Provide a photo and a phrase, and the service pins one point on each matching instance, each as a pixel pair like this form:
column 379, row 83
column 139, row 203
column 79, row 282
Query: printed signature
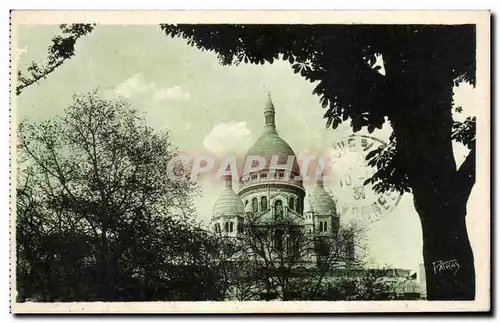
column 450, row 265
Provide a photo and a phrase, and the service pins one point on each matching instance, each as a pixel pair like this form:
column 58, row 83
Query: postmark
column 345, row 173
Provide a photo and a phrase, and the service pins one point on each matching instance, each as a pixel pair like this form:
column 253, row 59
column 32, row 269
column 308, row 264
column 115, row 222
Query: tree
column 278, row 250
column 371, row 285
column 339, row 257
column 97, row 217
column 354, row 283
column 277, row 259
column 422, row 63
column 239, row 272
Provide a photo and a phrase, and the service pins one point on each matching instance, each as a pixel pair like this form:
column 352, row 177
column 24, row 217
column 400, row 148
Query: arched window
column 297, row 206
column 217, row 227
column 255, row 206
column 263, row 203
column 291, row 203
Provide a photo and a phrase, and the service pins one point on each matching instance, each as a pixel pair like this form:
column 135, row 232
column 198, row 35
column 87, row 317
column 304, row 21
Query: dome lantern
column 228, row 181
column 269, row 116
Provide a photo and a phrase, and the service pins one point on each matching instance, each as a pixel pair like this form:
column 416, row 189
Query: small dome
column 321, row 202
column 229, row 203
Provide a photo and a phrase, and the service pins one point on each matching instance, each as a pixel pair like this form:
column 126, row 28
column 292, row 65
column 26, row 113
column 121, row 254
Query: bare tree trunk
column 448, row 258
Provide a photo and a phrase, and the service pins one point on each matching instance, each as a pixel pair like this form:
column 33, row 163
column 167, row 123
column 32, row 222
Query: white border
column 481, row 18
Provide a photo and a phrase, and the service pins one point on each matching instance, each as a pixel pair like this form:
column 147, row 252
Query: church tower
column 274, row 190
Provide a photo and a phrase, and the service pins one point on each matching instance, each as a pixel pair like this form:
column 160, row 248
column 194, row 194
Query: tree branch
column 62, row 49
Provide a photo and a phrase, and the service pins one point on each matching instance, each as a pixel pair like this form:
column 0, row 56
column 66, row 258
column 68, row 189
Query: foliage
column 97, row 218
column 388, row 177
column 62, row 49
column 341, row 59
column 465, row 132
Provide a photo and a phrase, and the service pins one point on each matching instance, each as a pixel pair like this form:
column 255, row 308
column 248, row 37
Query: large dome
column 271, row 144
column 229, row 203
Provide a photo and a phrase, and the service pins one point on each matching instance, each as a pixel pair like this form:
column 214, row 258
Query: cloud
column 134, row 85
column 138, row 85
column 229, row 137
column 171, row 93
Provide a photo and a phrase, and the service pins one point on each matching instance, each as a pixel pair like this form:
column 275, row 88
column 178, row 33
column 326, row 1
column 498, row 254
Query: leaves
column 93, row 198
column 465, row 132
column 62, row 48
column 389, row 176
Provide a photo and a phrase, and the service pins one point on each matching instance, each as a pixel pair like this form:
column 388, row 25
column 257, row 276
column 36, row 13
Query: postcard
column 250, row 161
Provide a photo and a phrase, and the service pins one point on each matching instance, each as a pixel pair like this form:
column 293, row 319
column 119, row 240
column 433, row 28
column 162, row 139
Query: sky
column 208, row 107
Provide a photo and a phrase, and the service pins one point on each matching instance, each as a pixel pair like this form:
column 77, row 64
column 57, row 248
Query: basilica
column 271, row 193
